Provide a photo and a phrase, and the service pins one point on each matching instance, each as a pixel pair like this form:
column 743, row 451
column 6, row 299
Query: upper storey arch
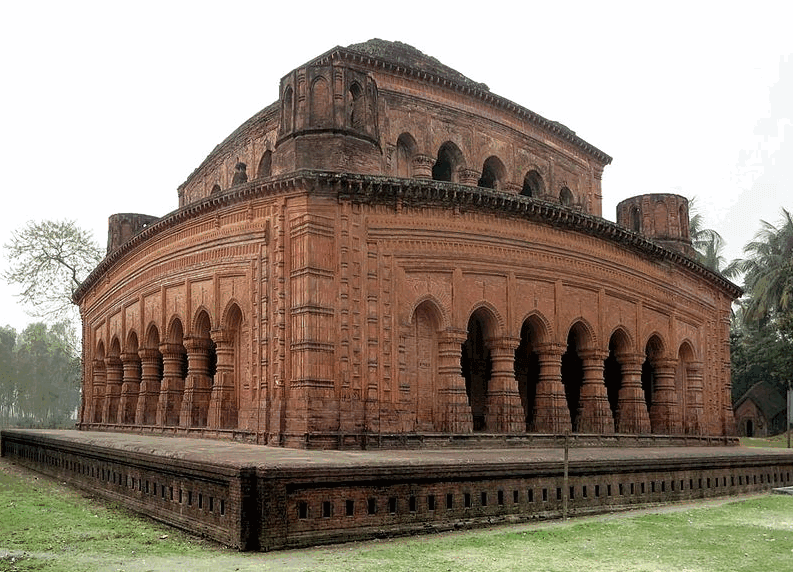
column 448, row 163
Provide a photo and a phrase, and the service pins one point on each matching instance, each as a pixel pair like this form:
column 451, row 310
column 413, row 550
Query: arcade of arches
column 534, row 385
column 178, row 381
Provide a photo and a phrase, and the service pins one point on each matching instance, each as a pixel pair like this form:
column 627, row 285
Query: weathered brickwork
column 390, row 249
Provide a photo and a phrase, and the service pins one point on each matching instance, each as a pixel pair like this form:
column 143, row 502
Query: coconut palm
column 707, row 242
column 768, row 272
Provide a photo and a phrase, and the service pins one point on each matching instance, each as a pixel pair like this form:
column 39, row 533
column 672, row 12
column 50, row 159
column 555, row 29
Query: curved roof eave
column 379, row 189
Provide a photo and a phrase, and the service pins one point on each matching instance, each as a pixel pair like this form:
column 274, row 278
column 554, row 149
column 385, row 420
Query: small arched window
column 493, row 172
column 287, row 110
column 533, row 185
column 450, row 158
column 636, row 220
column 566, row 197
column 265, row 165
column 215, row 189
column 357, row 109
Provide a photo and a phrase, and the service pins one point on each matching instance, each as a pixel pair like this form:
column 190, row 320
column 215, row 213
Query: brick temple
column 391, row 251
column 410, row 275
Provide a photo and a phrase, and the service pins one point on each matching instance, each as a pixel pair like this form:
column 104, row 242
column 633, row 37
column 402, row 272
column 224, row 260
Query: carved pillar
column 98, row 396
column 115, row 375
column 695, row 407
column 222, row 403
column 663, row 418
column 198, row 385
column 594, row 414
column 468, row 176
column 422, row 166
column 172, row 387
column 454, row 409
column 146, row 411
column 504, row 409
column 551, row 414
column 632, row 416
column 129, row 389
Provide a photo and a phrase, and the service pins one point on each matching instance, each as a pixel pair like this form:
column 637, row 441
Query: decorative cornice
column 373, row 189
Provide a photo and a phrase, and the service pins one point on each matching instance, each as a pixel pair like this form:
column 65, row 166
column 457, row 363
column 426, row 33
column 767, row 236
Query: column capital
column 130, row 357
column 168, row 348
column 593, row 354
column 551, row 349
column 196, row 344
column 149, row 354
column 502, row 343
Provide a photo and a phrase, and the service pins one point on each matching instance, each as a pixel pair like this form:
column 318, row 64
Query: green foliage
column 49, row 260
column 39, row 376
column 762, row 338
column 707, row 242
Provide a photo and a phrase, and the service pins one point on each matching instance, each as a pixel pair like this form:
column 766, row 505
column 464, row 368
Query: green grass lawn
column 773, row 441
column 45, row 525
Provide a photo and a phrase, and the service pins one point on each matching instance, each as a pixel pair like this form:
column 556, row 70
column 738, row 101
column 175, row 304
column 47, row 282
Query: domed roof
column 408, row 56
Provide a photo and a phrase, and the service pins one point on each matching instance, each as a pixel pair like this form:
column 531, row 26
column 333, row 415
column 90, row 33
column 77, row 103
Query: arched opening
column 566, row 197
column 131, row 382
column 749, row 428
column 449, row 160
column 202, row 363
column 422, row 354
column 527, row 365
column 215, row 189
column 406, row 148
column 573, row 369
column 636, row 220
column 99, row 381
column 684, row 222
column 685, row 357
column 477, row 367
column 227, row 371
column 661, row 219
column 265, row 165
column 493, row 173
column 287, row 111
column 114, row 379
column 319, row 112
column 612, row 371
column 652, row 351
column 151, row 376
column 174, row 374
column 533, row 185
column 357, row 106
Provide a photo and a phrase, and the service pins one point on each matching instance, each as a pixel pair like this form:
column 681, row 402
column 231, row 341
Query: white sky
column 108, row 106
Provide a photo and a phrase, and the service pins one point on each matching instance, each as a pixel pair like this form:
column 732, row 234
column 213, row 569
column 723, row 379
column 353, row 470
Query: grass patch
column 773, row 441
column 45, row 525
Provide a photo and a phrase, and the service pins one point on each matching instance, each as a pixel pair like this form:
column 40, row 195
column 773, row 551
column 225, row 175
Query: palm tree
column 706, row 242
column 768, row 272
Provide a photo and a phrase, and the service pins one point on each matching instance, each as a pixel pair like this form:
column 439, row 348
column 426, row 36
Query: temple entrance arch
column 688, row 387
column 201, row 365
column 225, row 376
column 527, row 365
column 578, row 339
column 477, row 365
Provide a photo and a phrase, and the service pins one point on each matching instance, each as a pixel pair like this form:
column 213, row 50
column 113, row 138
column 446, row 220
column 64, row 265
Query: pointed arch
column 448, row 163
column 319, row 110
column 493, row 173
column 620, row 344
column 437, row 306
column 421, row 347
column 406, row 149
column 533, row 184
column 580, row 337
column 287, row 110
column 225, row 396
column 265, row 166
column 131, row 345
column 534, row 332
column 566, row 197
column 357, row 106
column 476, row 364
column 653, row 351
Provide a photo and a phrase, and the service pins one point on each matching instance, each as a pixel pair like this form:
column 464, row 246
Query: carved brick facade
column 411, row 255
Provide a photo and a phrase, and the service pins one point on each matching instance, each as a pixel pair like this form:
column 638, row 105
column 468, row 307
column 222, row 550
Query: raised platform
column 257, row 497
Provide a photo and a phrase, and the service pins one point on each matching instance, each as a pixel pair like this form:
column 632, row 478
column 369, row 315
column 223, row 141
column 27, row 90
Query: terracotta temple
column 390, row 250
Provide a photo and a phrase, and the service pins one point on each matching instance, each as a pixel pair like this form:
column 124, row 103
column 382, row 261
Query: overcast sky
column 108, row 106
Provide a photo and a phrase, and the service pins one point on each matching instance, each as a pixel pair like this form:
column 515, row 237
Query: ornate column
column 172, row 387
column 468, row 176
column 422, row 166
column 115, row 375
column 504, row 409
column 129, row 388
column 632, row 416
column 146, row 411
column 198, row 385
column 454, row 410
column 222, row 405
column 695, row 407
column 663, row 418
column 98, row 397
column 551, row 414
column 594, row 413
